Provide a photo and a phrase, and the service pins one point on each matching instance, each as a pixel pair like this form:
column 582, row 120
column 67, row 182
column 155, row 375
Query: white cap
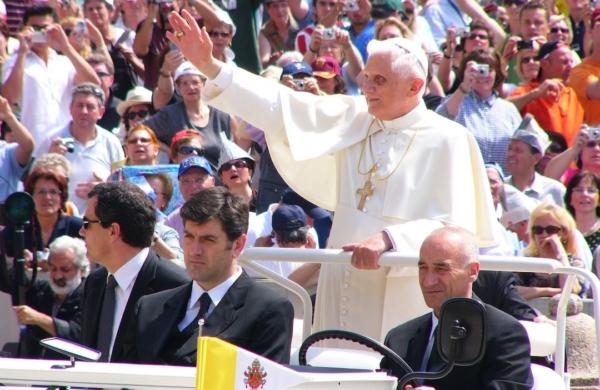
column 405, row 45
column 518, row 206
column 185, row 69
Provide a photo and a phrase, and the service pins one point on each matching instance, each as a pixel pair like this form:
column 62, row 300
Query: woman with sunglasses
column 582, row 201
column 235, row 170
column 142, row 146
column 221, row 36
column 186, row 143
column 49, row 190
column 552, row 234
column 136, row 107
column 560, row 31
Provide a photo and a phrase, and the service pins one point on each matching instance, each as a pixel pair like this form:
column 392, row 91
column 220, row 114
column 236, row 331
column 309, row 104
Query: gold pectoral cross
column 367, row 189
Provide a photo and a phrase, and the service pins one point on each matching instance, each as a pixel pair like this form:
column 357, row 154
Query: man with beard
column 52, row 305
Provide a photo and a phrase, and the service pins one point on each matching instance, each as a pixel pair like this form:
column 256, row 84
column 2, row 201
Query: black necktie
column 107, row 317
column 205, row 302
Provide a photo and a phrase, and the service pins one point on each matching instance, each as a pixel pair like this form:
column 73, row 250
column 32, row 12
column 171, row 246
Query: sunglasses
column 556, row 30
column 239, row 164
column 592, row 144
column 140, row 140
column 91, row 90
column 141, row 114
column 215, row 34
column 518, row 3
column 88, row 222
column 478, row 36
column 536, row 229
column 189, row 150
column 527, row 60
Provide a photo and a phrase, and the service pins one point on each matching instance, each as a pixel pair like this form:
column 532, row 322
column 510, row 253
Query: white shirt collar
column 407, row 120
column 128, row 272
column 216, row 293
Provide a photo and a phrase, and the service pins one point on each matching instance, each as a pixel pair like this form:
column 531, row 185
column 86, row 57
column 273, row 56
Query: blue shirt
column 442, row 15
column 492, row 121
column 10, row 170
column 362, row 39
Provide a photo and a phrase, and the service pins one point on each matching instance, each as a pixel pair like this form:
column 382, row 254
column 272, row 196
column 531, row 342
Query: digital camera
column 594, row 133
column 329, row 34
column 300, row 84
column 351, row 6
column 482, row 70
column 81, row 28
column 462, row 32
column 39, row 36
column 69, row 143
column 525, row 45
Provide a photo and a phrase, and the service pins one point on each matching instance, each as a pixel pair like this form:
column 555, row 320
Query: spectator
column 192, row 113
column 554, row 105
column 579, row 12
column 40, row 81
column 419, row 26
column 195, row 174
column 50, row 193
column 391, row 27
column 127, row 66
column 557, row 146
column 184, row 144
column 150, row 43
column 136, row 107
column 528, row 68
column 477, row 105
column 552, row 235
column 583, row 203
column 118, row 228
column 278, row 34
column 236, row 168
column 58, row 164
column 133, row 12
column 328, row 75
column 52, row 306
column 15, row 150
column 86, row 39
column 91, row 149
column 585, row 152
column 560, row 31
column 584, row 77
column 525, row 150
column 221, row 36
column 533, row 19
column 110, row 119
column 362, row 26
column 141, row 146
column 326, row 17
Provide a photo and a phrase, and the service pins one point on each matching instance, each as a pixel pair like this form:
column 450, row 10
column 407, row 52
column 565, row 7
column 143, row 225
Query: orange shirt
column 581, row 77
column 564, row 116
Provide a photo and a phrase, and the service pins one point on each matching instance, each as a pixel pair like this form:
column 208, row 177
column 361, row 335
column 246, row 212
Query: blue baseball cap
column 295, row 68
column 194, row 162
column 287, row 218
column 290, row 197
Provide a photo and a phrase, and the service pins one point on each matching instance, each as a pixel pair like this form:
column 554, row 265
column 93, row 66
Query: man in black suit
column 448, row 266
column 231, row 305
column 118, row 225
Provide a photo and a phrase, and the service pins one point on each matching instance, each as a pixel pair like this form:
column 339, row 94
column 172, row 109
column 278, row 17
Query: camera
column 482, row 70
column 594, row 133
column 300, row 84
column 351, row 6
column 69, row 143
column 81, row 28
column 525, row 45
column 39, row 36
column 462, row 32
column 329, row 34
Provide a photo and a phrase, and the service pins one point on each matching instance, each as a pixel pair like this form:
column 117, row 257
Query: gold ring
column 179, row 34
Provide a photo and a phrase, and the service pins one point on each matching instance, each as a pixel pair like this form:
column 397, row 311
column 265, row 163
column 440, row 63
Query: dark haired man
column 231, row 305
column 39, row 80
column 118, row 225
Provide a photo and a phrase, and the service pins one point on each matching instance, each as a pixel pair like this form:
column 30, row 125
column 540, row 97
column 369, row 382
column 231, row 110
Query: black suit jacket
column 155, row 275
column 499, row 289
column 505, row 364
column 250, row 315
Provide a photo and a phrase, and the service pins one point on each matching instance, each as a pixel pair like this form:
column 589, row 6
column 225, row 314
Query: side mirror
column 461, row 331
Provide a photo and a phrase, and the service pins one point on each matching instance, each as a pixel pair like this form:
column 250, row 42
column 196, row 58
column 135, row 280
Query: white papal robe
column 316, row 143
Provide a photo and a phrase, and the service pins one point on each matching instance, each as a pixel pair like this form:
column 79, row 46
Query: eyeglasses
column 330, row 4
column 527, row 60
column 131, row 115
column 91, row 90
column 140, row 140
column 518, row 3
column 103, row 74
column 556, row 30
column 536, row 229
column 39, row 27
column 592, row 144
column 239, row 164
column 215, row 34
column 482, row 37
column 88, row 222
column 583, row 190
column 189, row 150
column 48, row 192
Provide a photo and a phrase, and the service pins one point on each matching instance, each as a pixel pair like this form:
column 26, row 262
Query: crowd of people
column 159, row 137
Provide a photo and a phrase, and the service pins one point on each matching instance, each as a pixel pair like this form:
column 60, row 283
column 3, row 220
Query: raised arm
column 12, row 88
column 22, row 137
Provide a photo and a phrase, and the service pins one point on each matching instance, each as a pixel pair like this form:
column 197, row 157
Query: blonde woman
column 551, row 235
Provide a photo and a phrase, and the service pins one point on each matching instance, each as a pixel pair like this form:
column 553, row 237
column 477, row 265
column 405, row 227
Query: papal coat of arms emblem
column 255, row 376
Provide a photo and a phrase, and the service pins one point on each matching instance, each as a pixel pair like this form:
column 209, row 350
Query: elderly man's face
column 64, row 274
column 389, row 93
column 444, row 272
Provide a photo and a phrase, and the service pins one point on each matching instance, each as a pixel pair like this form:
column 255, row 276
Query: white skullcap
column 406, row 45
